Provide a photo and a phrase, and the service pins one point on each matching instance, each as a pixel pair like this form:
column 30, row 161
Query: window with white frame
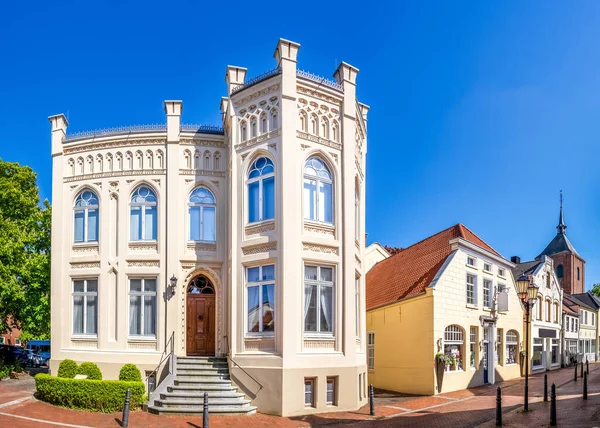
column 309, row 392
column 538, row 350
column 499, row 346
column 332, row 391
column 143, row 214
column 487, row 293
column 512, row 346
column 260, row 289
column 371, row 350
column 487, row 267
column 554, row 354
column 261, row 190
column 500, row 272
column 471, row 261
column 202, row 215
column 85, row 307
column 86, row 217
column 17, row 342
column 318, row 191
column 357, row 304
column 585, row 317
column 142, row 307
column 318, row 299
column 471, row 289
column 453, row 347
column 472, row 346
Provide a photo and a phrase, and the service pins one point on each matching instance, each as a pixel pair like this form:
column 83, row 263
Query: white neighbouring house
column 241, row 242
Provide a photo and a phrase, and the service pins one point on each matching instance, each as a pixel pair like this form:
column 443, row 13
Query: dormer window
column 470, row 261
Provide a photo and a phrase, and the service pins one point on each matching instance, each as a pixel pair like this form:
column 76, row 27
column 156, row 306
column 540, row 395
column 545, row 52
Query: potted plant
column 441, row 362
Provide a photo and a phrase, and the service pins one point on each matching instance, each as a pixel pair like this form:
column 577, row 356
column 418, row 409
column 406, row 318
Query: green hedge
column 130, row 372
column 97, row 395
column 91, row 370
column 67, row 369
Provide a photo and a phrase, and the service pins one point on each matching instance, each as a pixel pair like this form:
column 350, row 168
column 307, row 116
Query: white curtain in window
column 136, row 223
column 253, row 309
column 135, row 315
column 308, row 292
column 326, row 309
column 208, row 224
column 150, row 315
column 78, row 314
column 91, row 315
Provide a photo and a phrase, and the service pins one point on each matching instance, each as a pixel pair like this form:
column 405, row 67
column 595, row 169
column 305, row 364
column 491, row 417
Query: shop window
column 453, row 347
column 512, row 346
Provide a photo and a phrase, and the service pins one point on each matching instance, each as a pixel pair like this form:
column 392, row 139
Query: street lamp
column 527, row 291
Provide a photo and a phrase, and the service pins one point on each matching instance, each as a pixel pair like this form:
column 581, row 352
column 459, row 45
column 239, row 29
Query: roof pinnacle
column 562, row 227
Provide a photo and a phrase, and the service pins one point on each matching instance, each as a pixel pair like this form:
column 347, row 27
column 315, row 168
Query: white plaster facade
column 286, row 116
column 374, row 253
column 487, row 355
column 587, row 333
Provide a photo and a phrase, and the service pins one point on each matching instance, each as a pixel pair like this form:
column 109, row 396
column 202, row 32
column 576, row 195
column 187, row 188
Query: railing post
column 498, row 407
column 205, row 411
column 125, row 418
column 545, row 387
column 575, row 365
column 585, row 380
column 553, row 406
column 371, row 400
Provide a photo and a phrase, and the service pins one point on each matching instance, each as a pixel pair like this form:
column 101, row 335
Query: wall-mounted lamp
column 173, row 285
column 439, row 345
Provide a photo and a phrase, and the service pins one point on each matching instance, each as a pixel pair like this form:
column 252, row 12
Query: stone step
column 201, row 359
column 202, row 389
column 201, row 364
column 202, row 370
column 199, row 395
column 203, row 378
column 196, row 411
column 198, row 382
column 212, row 403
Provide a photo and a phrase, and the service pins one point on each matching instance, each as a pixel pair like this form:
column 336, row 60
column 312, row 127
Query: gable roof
column 569, row 305
column 525, row 267
column 586, row 299
column 559, row 244
column 409, row 273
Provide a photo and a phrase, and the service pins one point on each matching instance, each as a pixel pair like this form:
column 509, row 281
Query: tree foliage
column 596, row 290
column 24, row 253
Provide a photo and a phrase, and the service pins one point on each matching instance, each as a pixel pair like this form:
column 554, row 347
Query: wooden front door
column 200, row 324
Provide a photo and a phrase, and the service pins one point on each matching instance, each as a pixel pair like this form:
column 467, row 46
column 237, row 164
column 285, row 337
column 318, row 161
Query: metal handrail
column 240, row 367
column 164, row 357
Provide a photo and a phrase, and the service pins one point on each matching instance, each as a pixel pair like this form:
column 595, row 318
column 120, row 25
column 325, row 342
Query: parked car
column 10, row 354
column 38, row 352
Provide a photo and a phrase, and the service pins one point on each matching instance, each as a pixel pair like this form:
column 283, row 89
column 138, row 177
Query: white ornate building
column 242, row 241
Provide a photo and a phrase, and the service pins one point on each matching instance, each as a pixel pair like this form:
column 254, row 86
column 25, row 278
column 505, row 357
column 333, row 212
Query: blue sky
column 481, row 111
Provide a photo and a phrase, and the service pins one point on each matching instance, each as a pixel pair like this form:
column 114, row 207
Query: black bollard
column 545, row 387
column 581, row 368
column 587, row 365
column 553, row 406
column 585, row 378
column 498, row 407
column 125, row 418
column 575, row 365
column 372, row 400
column 205, row 411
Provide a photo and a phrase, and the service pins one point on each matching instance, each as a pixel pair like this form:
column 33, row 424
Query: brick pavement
column 466, row 408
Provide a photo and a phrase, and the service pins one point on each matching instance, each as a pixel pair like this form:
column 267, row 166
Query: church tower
column 570, row 267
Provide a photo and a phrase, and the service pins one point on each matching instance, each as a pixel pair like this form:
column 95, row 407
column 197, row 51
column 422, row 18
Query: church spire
column 562, row 227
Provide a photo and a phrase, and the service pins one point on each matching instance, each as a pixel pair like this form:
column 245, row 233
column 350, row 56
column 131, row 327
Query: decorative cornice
column 319, row 140
column 319, row 228
column 263, row 248
column 318, row 94
column 201, row 247
column 206, row 172
column 143, row 246
column 201, row 142
column 85, row 249
column 143, row 263
column 257, row 94
column 323, row 249
column 259, row 139
column 85, row 265
column 260, row 228
column 87, row 147
column 128, row 173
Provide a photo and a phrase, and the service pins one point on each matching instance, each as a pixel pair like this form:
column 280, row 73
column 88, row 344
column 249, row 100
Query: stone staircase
column 193, row 377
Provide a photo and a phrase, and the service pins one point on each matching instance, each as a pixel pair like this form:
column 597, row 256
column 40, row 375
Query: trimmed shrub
column 129, row 372
column 91, row 370
column 96, row 395
column 67, row 369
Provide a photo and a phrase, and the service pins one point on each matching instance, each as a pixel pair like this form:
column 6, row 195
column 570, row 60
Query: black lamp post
column 527, row 291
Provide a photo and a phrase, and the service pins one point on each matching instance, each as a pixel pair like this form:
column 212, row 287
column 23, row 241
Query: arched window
column 119, row 159
column 453, row 347
column 314, row 124
column 72, row 166
column 143, row 215
column 202, row 210
column 200, row 285
column 197, row 158
column 261, row 190
column 324, row 128
column 318, row 191
column 253, row 127
column 578, row 274
column 243, row 131
column 187, row 158
column 556, row 313
column 86, row 217
column 217, row 163
column 512, row 346
column 89, row 164
column 100, row 162
column 303, row 121
column 159, row 159
column 274, row 119
column 139, row 160
column 263, row 123
column 206, row 160
column 548, row 310
column 540, row 309
column 560, row 271
column 149, row 159
column 336, row 131
column 109, row 162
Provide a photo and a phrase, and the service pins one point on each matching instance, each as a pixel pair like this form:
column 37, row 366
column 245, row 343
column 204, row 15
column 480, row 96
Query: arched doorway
column 200, row 337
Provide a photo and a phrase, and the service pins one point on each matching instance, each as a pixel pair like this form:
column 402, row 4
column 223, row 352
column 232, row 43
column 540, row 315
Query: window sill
column 85, row 337
column 141, row 339
column 265, row 335
column 259, row 222
column 471, row 267
column 142, row 241
column 502, row 277
column 316, row 336
column 471, row 306
column 488, row 272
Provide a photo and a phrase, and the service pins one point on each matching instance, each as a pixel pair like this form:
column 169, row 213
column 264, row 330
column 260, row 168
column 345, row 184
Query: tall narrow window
column 142, row 307
column 217, row 163
column 309, row 393
column 318, row 191
column 548, row 311
column 357, row 304
column 263, row 123
column 261, row 190
column 202, row 215
column 371, row 350
column 85, row 307
column 471, row 289
column 318, row 299
column 356, row 213
column 274, row 120
column 560, row 271
column 86, row 217
column 472, row 346
column 143, row 214
column 243, row 131
column 512, row 344
column 207, row 160
column 453, row 347
column 499, row 347
column 487, row 293
column 260, row 288
column 331, row 391
column 253, row 127
column 578, row 273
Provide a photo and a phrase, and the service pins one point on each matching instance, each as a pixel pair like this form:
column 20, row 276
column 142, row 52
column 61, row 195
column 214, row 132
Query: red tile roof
column 409, row 272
